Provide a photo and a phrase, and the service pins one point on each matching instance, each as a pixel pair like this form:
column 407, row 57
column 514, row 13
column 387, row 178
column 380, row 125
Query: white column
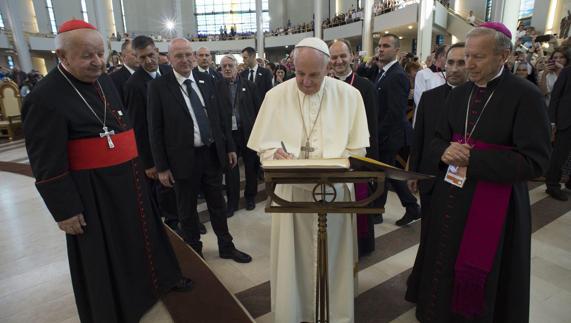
column 317, row 18
column 424, row 36
column 178, row 17
column 259, row 29
column 506, row 12
column 104, row 20
column 13, row 17
column 367, row 39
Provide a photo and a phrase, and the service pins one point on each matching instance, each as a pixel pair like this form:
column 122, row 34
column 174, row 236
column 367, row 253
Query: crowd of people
column 25, row 81
column 149, row 138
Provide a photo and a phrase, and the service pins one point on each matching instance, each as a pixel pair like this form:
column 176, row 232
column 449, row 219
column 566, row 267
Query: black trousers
column 388, row 156
column 559, row 156
column 251, row 161
column 206, row 177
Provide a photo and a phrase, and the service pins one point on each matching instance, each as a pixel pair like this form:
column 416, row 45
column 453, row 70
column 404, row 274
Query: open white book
column 332, row 163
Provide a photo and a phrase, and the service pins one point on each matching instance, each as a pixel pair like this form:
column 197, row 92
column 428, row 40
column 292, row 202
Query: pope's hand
column 232, row 159
column 281, row 154
column 166, row 178
column 73, row 225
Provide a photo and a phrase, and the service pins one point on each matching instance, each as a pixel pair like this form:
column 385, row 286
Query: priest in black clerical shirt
column 84, row 158
column 429, row 114
column 493, row 137
column 341, row 58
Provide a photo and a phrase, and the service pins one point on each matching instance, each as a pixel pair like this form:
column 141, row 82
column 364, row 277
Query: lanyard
column 467, row 135
column 352, row 79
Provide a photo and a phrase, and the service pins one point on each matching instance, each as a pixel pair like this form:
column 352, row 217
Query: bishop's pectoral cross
column 108, row 134
column 307, row 149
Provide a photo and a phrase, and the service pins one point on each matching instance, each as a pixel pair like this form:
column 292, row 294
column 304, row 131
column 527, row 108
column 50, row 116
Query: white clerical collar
column 180, row 79
column 131, row 71
column 386, row 67
column 202, row 69
column 344, row 77
column 450, row 85
column 495, row 77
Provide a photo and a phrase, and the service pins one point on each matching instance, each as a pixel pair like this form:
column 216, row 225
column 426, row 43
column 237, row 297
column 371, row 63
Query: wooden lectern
column 324, row 201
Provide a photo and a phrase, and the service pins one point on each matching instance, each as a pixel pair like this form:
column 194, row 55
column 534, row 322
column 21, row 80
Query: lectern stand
column 324, row 201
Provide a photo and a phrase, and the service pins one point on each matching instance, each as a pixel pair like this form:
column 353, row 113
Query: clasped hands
column 457, row 154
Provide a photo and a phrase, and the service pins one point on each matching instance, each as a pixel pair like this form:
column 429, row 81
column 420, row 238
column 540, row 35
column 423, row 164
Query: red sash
column 482, row 233
column 93, row 153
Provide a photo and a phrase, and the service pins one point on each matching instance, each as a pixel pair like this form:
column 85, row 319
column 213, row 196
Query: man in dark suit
column 135, row 98
column 204, row 60
column 191, row 142
column 560, row 116
column 255, row 73
column 395, row 131
column 239, row 97
column 340, row 60
column 430, row 112
column 130, row 64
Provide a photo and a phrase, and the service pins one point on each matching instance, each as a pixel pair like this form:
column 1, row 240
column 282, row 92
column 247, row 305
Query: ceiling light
column 410, row 27
column 169, row 24
column 386, row 31
column 400, row 37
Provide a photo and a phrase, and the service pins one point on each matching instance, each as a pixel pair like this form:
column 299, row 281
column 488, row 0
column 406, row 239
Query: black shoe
column 202, row 228
column 183, row 285
column 230, row 212
column 378, row 219
column 250, row 205
column 236, row 255
column 568, row 184
column 411, row 214
column 557, row 193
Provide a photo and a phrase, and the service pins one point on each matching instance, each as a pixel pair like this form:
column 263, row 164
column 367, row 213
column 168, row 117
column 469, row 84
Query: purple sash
column 484, row 227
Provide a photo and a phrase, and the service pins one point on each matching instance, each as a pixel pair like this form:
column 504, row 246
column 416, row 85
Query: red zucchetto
column 75, row 24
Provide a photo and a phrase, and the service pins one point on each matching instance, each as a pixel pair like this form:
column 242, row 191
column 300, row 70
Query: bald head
column 81, row 52
column 181, row 56
column 310, row 69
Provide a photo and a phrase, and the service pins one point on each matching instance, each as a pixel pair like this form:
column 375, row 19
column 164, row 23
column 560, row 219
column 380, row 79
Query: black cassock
column 123, row 261
column 365, row 225
column 515, row 117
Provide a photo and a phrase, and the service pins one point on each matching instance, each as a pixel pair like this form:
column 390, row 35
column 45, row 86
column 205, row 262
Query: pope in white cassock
column 316, row 117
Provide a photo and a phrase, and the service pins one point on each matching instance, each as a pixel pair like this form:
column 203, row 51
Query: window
column 1, row 21
column 84, row 11
column 123, row 16
column 10, row 62
column 211, row 15
column 526, row 9
column 51, row 15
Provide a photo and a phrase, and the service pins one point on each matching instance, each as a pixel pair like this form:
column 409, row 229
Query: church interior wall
column 539, row 18
column 42, row 15
column 477, row 6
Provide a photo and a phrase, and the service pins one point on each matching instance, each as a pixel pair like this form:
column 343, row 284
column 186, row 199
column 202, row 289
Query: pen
column 284, row 148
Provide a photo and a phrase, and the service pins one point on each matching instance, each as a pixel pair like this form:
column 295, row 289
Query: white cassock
column 340, row 129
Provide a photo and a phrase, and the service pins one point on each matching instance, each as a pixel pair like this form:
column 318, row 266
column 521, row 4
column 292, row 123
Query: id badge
column 455, row 175
column 234, row 123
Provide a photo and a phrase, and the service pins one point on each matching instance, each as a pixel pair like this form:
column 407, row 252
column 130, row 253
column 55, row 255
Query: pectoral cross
column 108, row 134
column 307, row 149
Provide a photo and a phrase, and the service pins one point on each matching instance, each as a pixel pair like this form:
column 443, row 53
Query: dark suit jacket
column 395, row 130
column 248, row 102
column 119, row 78
column 171, row 128
column 429, row 113
column 560, row 104
column 263, row 80
column 369, row 96
column 136, row 105
column 370, row 73
column 215, row 75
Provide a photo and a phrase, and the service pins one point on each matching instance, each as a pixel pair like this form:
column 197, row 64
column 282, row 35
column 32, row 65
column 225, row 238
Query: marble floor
column 34, row 274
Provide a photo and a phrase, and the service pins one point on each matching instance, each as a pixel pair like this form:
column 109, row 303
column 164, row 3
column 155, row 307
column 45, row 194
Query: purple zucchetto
column 497, row 26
